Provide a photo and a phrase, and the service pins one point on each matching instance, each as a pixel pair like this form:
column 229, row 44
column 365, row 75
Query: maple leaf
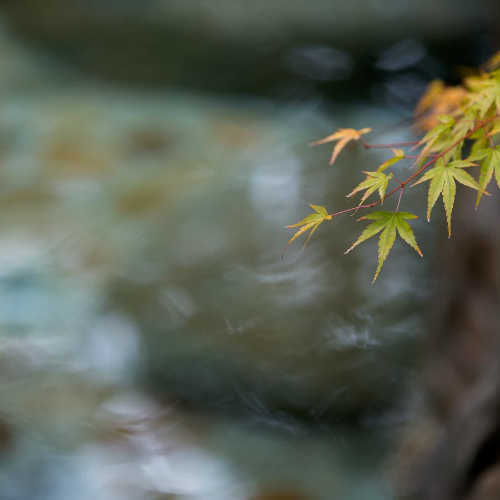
column 485, row 94
column 486, row 99
column 443, row 177
column 489, row 165
column 343, row 136
column 495, row 129
column 388, row 223
column 437, row 138
column 399, row 155
column 430, row 96
column 311, row 222
column 374, row 181
column 438, row 100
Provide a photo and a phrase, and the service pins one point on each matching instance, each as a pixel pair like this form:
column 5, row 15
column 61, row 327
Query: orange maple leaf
column 438, row 100
column 343, row 136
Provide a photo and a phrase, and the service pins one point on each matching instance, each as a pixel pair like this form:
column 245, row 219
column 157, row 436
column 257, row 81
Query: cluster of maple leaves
column 458, row 119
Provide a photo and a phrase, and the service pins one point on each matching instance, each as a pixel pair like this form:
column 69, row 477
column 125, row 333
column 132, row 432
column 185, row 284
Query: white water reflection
column 347, row 336
column 110, row 349
column 273, row 185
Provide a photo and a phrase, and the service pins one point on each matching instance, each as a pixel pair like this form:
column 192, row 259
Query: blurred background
column 153, row 342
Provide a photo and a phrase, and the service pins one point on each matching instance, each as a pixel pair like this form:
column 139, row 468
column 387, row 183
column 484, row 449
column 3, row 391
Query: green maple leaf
column 463, row 126
column 487, row 96
column 399, row 155
column 443, row 177
column 496, row 127
column 438, row 138
column 489, row 166
column 388, row 223
column 311, row 222
column 375, row 181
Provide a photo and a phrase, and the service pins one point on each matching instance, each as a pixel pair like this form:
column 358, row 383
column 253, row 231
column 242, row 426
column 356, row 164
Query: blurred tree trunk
column 456, row 450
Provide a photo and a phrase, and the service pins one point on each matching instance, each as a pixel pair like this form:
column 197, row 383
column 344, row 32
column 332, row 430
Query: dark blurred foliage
column 280, row 49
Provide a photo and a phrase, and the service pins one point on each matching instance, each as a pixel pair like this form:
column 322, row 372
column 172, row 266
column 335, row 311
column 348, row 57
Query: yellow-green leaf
column 437, row 138
column 449, row 191
column 303, row 229
column 443, row 177
column 319, row 209
column 436, row 176
column 435, row 189
column 385, row 243
column 406, row 233
column 490, row 165
column 496, row 127
column 311, row 222
column 375, row 181
column 398, row 156
column 497, row 175
column 371, row 230
column 387, row 224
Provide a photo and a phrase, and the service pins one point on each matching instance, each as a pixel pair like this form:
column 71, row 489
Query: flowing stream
column 153, row 341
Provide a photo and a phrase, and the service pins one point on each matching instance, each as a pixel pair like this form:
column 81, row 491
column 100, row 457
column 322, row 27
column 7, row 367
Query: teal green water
column 153, row 342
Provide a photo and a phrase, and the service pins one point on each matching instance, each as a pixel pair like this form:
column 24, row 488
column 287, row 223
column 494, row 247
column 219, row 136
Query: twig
column 399, row 198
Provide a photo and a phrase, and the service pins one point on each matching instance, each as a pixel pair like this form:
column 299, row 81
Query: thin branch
column 399, row 198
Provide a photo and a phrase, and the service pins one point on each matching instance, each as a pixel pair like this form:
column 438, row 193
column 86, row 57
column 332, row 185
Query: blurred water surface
column 153, row 341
